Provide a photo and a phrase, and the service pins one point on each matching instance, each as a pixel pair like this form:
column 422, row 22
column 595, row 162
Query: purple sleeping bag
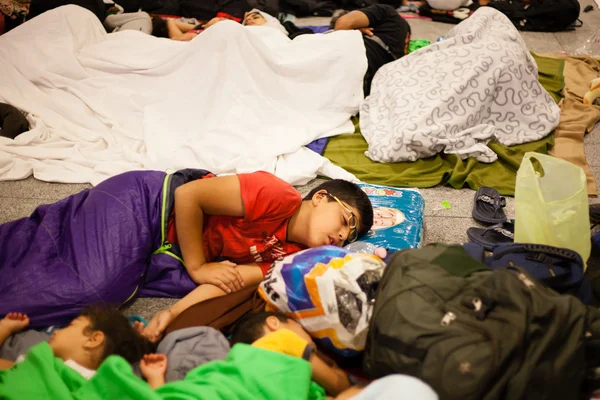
column 93, row 247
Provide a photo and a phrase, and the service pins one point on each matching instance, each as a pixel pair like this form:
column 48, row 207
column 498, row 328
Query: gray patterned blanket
column 479, row 84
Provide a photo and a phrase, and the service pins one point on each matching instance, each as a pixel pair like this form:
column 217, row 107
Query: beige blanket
column 576, row 118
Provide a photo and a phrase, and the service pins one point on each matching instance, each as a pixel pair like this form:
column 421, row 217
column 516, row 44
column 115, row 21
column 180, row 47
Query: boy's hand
column 14, row 322
column 223, row 275
column 367, row 31
column 154, row 367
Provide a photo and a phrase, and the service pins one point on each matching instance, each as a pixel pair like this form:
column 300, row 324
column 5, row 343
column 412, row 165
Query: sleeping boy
column 276, row 332
column 270, row 331
column 98, row 332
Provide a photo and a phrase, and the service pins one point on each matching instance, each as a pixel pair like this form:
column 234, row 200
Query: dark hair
column 251, row 326
column 159, row 27
column 334, row 19
column 352, row 195
column 119, row 336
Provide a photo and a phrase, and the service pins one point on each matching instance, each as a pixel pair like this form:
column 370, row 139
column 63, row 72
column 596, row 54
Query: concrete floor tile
column 593, row 137
column 447, row 230
column 429, row 30
column 33, row 189
column 592, row 153
column 461, row 202
column 15, row 208
column 590, row 19
column 147, row 307
column 542, row 42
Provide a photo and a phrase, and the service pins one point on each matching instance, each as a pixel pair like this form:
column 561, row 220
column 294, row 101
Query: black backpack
column 475, row 333
column 539, row 15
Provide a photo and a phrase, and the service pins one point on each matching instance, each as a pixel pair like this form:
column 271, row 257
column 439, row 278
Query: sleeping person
column 98, row 332
column 182, row 31
column 386, row 35
column 152, row 234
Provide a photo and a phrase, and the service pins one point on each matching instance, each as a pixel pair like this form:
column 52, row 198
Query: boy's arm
column 353, row 20
column 214, row 196
column 5, row 364
column 332, row 379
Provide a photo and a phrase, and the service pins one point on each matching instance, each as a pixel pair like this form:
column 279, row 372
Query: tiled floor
column 18, row 199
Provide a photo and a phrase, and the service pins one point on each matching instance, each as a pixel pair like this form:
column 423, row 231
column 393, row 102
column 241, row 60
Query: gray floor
column 18, row 199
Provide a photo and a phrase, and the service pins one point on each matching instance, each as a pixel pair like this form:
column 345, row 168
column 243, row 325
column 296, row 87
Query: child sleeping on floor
column 277, row 333
column 98, row 332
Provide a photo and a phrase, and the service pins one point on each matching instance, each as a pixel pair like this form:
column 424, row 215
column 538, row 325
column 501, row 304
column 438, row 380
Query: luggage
column 485, row 335
column 562, row 270
column 539, row 15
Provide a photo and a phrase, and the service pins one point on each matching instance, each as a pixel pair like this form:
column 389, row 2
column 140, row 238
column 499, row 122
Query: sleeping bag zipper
column 164, row 246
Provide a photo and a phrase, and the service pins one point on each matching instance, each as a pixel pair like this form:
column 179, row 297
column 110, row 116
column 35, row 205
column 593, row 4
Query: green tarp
column 347, row 151
column 248, row 373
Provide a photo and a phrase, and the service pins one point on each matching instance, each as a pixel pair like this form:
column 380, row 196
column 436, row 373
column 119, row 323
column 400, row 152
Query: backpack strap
column 406, row 349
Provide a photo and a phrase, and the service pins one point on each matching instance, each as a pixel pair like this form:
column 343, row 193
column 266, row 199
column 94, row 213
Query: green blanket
column 347, row 151
column 247, row 373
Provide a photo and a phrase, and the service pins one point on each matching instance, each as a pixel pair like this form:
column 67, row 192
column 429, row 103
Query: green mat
column 347, row 151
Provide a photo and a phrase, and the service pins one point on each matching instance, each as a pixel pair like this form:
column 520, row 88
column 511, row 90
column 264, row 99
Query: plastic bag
column 330, row 291
column 591, row 47
column 551, row 206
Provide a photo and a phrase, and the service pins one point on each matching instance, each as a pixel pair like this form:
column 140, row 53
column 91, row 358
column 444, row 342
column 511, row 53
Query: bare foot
column 157, row 325
column 15, row 322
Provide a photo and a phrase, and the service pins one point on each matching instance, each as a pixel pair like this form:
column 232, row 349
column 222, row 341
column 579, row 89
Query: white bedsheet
column 235, row 99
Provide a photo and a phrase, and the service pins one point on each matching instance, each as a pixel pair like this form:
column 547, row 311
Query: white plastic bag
column 551, row 204
column 591, row 47
column 330, row 291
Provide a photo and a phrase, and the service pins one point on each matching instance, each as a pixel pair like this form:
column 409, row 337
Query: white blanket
column 234, row 99
column 479, row 84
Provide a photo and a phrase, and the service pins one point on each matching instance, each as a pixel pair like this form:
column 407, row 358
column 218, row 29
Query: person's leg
column 390, row 387
column 250, row 274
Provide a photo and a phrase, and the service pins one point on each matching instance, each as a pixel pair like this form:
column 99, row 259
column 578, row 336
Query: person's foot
column 157, row 325
column 14, row 322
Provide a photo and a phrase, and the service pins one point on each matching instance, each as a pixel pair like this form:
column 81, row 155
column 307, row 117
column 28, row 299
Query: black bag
column 539, row 15
column 559, row 269
column 488, row 334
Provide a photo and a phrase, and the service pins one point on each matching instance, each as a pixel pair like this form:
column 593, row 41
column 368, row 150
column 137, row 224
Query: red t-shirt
column 260, row 236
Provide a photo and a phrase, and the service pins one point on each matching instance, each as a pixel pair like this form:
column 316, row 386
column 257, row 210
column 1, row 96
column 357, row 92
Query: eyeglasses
column 352, row 220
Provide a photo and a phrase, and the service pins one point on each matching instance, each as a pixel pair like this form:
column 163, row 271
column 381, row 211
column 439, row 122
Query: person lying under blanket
column 274, row 331
column 386, row 35
column 152, row 234
column 98, row 332
column 181, row 31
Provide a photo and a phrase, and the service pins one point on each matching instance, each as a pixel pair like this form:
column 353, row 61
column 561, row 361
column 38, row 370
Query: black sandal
column 493, row 236
column 488, row 208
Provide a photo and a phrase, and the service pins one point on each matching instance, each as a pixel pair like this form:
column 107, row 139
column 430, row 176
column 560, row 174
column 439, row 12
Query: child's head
column 98, row 332
column 254, row 18
column 159, row 27
column 385, row 217
column 340, row 212
column 256, row 325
